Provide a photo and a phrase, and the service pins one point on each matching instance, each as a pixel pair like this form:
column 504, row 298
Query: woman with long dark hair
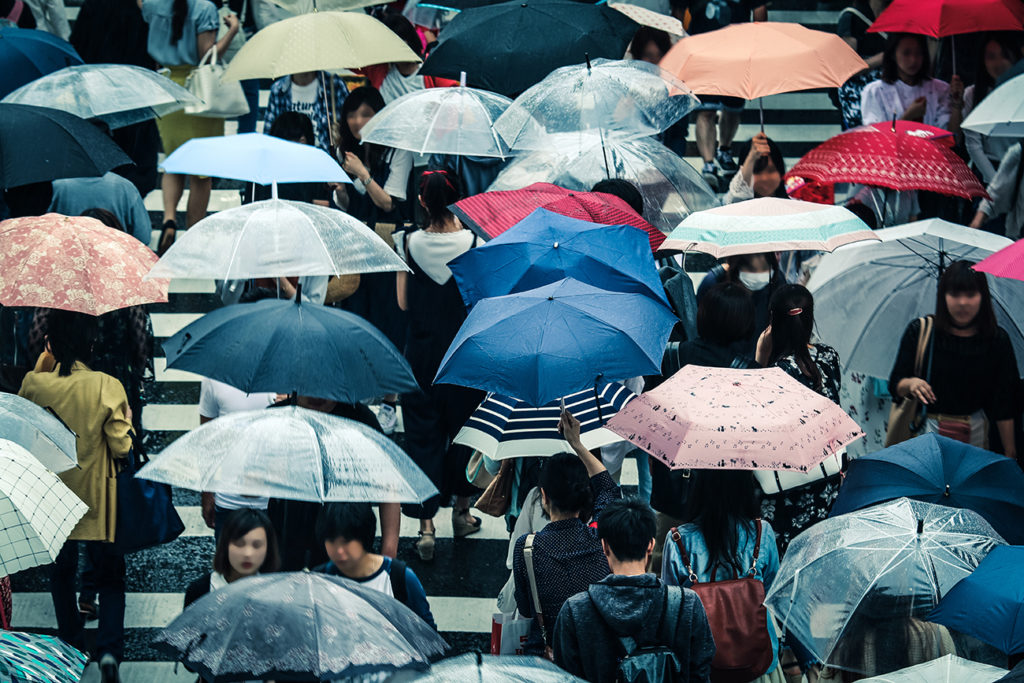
column 759, row 273
column 761, row 173
column 999, row 51
column 907, row 90
column 971, row 370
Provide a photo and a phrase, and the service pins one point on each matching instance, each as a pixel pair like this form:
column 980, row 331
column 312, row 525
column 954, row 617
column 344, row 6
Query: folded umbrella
column 555, row 340
column 988, row 603
column 548, row 34
column 491, row 213
column 1001, row 113
column 867, row 293
column 938, row 470
column 545, row 247
column 39, row 431
column 276, row 238
column 941, row 18
column 26, row 54
column 33, row 658
column 287, row 346
column 846, row 578
column 768, row 224
column 1008, row 262
column 61, row 145
column 293, row 454
column 671, row 188
column 37, row 509
column 321, row 41
column 504, row 427
column 723, row 418
column 298, row 626
column 491, row 668
column 456, row 121
column 75, row 264
column 619, row 99
column 948, row 669
column 118, row 94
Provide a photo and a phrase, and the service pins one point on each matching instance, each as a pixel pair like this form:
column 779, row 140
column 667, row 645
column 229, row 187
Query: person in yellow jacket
column 95, row 407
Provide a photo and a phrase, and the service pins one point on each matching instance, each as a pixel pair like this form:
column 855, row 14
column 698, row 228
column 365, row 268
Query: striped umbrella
column 504, row 427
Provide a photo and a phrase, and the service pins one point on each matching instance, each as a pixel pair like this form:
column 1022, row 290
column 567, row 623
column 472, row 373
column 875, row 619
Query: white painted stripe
column 168, row 417
column 192, row 287
column 797, row 101
column 156, row 610
column 813, row 133
column 144, row 672
column 165, row 375
column 219, row 200
column 168, row 324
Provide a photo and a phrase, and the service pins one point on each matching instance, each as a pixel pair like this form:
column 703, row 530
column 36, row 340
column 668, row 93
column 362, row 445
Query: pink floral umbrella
column 76, row 264
column 720, row 418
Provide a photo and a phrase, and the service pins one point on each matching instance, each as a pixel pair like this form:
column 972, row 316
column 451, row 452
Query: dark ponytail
column 439, row 190
column 791, row 315
column 178, row 20
column 565, row 482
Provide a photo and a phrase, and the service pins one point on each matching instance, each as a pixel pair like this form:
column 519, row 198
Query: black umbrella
column 38, row 144
column 508, row 47
column 462, row 5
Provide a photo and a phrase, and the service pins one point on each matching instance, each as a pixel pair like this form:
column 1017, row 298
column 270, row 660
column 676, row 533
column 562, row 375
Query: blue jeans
column 108, row 570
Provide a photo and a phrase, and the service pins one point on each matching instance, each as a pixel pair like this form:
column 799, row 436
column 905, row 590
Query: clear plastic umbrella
column 38, row 431
column 611, row 97
column 119, row 94
column 291, row 453
column 441, row 121
column 478, row 668
column 850, row 586
column 867, row 293
column 672, row 189
column 948, row 669
column 276, row 238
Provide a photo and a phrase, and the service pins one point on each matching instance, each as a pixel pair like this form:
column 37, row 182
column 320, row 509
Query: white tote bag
column 776, row 481
column 220, row 100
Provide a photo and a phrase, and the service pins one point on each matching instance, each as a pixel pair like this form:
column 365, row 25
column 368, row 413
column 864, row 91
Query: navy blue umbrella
column 555, row 340
column 26, row 54
column 284, row 346
column 938, row 470
column 546, row 247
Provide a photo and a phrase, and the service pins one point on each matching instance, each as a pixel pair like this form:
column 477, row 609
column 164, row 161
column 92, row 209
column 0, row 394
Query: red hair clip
column 796, row 311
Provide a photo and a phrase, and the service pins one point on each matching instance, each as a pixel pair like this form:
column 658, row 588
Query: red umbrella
column 918, row 130
column 76, row 264
column 900, row 157
column 1007, row 262
column 940, row 18
column 492, row 213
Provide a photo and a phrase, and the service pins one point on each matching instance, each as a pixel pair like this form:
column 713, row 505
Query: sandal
column 87, row 608
column 460, row 527
column 166, row 237
column 425, row 546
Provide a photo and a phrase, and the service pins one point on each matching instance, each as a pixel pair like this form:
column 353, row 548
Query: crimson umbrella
column 900, row 157
column 492, row 213
column 941, row 18
column 1007, row 262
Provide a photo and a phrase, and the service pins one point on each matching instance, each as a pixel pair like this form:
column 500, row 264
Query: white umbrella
column 671, row 187
column 293, row 454
column 865, row 294
column 276, row 238
column 441, row 121
column 119, row 94
column 614, row 98
column 948, row 669
column 37, row 511
column 38, row 431
column 1001, row 113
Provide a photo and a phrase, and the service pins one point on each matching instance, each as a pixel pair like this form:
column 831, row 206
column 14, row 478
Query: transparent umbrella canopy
column 948, row 669
column 672, row 189
column 849, row 585
column 615, row 98
column 479, row 668
column 119, row 94
column 456, row 121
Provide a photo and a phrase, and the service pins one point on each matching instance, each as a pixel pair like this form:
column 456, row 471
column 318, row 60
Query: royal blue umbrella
column 938, row 470
column 989, row 603
column 557, row 339
column 285, row 346
column 26, row 54
column 546, row 247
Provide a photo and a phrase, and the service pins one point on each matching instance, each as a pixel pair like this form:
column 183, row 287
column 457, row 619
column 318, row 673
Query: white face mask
column 755, row 281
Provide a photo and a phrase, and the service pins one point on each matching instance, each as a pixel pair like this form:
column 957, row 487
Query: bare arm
column 401, row 280
column 1005, row 428
column 569, row 427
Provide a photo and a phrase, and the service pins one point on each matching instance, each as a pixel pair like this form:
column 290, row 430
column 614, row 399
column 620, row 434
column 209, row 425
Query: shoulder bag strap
column 528, row 558
column 683, row 555
column 923, row 338
column 398, row 583
column 757, row 547
column 928, row 331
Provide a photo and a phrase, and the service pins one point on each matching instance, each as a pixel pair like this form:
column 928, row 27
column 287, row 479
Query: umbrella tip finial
column 462, row 79
column 894, row 123
column 946, row 494
column 551, row 298
column 586, row 55
column 920, row 526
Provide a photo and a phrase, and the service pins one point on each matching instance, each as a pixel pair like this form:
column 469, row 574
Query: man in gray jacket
column 631, row 603
column 1006, row 195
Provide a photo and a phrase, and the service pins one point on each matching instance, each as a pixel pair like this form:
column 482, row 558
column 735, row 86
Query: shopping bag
column 145, row 512
column 509, row 633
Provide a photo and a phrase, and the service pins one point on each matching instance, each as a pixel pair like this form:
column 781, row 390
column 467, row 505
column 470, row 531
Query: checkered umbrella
column 37, row 511
column 32, row 658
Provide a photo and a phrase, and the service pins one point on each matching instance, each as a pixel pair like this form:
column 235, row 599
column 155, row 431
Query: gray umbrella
column 298, row 626
column 39, row 431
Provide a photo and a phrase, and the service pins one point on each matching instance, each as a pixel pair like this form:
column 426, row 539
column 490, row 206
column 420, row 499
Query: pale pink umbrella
column 720, row 418
column 76, row 264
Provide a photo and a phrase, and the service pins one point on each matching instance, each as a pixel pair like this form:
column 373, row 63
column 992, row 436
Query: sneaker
column 710, row 175
column 725, row 161
column 108, row 669
column 387, row 416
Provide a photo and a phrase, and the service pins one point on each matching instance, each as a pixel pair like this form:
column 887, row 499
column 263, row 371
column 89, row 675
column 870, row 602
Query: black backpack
column 652, row 663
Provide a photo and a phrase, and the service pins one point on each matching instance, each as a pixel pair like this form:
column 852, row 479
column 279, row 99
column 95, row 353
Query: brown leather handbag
column 737, row 617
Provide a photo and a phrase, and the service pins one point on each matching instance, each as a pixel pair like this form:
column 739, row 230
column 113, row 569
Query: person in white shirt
column 998, row 54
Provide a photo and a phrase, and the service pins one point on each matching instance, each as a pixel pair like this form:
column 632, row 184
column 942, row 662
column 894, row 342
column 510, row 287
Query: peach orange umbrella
column 752, row 60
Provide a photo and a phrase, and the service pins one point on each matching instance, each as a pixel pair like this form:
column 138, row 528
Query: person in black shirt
column 971, row 371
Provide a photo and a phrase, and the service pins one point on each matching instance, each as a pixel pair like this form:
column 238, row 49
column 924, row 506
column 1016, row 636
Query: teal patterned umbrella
column 32, row 658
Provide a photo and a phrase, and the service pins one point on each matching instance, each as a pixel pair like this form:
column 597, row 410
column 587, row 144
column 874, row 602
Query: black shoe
column 87, row 608
column 725, row 161
column 710, row 175
column 108, row 669
column 166, row 237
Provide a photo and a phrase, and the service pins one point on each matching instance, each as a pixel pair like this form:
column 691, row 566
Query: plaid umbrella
column 32, row 658
column 504, row 427
column 492, row 213
column 75, row 264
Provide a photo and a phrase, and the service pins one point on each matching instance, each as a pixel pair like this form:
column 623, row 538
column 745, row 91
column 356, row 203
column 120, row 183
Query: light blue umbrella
column 39, row 431
column 256, row 158
column 1001, row 113
column 555, row 340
